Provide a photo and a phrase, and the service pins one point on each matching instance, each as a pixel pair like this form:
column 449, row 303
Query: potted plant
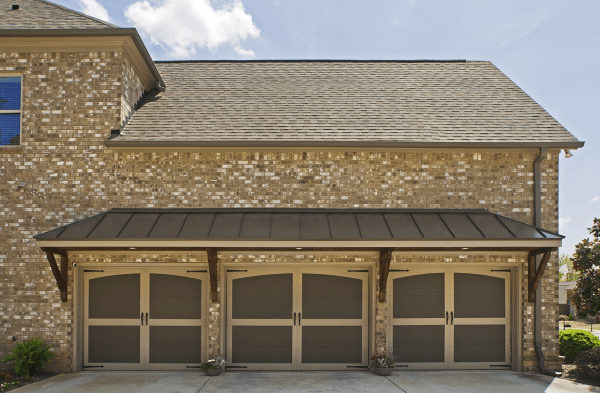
column 383, row 364
column 214, row 366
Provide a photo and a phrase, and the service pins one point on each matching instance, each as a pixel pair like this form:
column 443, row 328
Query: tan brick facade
column 71, row 101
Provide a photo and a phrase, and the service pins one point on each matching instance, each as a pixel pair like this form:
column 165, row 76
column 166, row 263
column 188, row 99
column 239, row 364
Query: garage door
column 297, row 319
column 144, row 318
column 450, row 319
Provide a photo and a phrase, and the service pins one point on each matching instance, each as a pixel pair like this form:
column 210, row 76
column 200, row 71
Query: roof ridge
column 323, row 61
column 79, row 13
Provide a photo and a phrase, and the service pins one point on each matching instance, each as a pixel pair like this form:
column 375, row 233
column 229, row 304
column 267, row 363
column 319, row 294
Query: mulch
column 570, row 373
column 9, row 376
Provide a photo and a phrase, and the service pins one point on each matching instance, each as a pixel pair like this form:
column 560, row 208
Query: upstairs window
column 10, row 110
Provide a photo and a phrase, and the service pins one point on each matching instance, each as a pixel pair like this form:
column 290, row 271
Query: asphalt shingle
column 312, row 101
column 40, row 14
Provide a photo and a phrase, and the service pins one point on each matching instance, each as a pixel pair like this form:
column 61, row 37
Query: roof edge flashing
column 116, row 143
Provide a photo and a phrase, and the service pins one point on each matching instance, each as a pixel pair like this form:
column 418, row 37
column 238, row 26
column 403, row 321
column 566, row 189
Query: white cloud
column 562, row 221
column 243, row 52
column 95, row 9
column 595, row 199
column 187, row 25
column 516, row 31
column 507, row 33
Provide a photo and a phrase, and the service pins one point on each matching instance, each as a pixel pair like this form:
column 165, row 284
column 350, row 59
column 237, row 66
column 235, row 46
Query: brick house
column 291, row 215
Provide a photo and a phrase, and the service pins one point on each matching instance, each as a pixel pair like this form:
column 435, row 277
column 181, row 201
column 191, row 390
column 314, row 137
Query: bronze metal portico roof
column 182, row 229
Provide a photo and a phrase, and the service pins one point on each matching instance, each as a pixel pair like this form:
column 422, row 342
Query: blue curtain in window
column 10, row 99
column 9, row 128
column 10, row 93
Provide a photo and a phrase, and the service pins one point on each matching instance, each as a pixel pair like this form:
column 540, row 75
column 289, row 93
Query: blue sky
column 551, row 49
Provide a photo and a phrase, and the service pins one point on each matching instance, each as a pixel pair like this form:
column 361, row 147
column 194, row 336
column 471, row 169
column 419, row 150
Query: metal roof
column 295, row 224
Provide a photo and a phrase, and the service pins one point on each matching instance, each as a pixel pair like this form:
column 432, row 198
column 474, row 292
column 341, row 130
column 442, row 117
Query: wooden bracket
column 213, row 273
column 534, row 276
column 385, row 257
column 61, row 276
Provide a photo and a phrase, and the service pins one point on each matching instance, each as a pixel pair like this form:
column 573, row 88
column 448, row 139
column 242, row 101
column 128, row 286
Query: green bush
column 588, row 363
column 573, row 341
column 28, row 356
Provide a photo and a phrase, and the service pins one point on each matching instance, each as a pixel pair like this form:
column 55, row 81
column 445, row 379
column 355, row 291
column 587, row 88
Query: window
column 10, row 110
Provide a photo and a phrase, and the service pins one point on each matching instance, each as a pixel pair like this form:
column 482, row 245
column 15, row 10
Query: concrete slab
column 299, row 381
column 121, row 382
column 483, row 381
column 313, row 381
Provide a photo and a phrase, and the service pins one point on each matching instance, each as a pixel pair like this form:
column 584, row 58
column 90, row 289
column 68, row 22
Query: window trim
column 14, row 111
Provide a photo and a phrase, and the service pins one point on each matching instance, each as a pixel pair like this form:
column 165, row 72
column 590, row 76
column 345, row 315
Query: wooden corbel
column 213, row 273
column 534, row 275
column 385, row 257
column 61, row 276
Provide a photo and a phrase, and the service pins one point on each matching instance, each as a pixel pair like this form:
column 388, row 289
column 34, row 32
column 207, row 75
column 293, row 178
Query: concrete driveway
column 320, row 381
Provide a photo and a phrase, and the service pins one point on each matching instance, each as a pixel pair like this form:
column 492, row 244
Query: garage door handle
column 146, row 319
column 299, row 318
column 451, row 318
column 446, row 317
column 294, row 319
column 142, row 318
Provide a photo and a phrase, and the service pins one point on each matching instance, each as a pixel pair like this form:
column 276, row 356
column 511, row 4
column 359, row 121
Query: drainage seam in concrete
column 202, row 387
column 395, row 384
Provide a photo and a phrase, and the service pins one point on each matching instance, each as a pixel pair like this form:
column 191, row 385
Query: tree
column 586, row 261
column 565, row 269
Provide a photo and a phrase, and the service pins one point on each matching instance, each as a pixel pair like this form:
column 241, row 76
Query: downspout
column 537, row 313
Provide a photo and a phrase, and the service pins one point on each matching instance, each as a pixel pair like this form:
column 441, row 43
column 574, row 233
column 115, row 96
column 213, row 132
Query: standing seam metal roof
column 296, row 224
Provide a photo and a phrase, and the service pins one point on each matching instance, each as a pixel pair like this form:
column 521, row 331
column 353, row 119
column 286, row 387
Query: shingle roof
column 344, row 101
column 297, row 224
column 40, row 14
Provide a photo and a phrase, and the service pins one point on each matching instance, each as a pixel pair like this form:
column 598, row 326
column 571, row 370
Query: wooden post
column 534, row 275
column 64, row 272
column 60, row 275
column 385, row 257
column 213, row 273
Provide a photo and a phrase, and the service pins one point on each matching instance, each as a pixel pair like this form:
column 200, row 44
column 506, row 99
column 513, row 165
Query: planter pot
column 212, row 372
column 383, row 371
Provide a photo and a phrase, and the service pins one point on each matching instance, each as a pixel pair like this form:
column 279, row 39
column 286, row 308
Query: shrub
column 573, row 341
column 28, row 356
column 588, row 363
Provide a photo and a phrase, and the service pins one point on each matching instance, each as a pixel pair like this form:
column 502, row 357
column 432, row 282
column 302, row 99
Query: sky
column 549, row 48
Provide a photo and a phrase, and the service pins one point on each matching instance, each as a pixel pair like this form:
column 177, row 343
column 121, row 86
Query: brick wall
column 131, row 90
column 71, row 101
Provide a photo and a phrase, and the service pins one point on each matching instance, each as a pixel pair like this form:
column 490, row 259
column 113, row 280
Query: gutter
column 101, row 32
column 353, row 144
column 537, row 311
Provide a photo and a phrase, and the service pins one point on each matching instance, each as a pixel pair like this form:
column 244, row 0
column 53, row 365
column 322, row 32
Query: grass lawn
column 579, row 325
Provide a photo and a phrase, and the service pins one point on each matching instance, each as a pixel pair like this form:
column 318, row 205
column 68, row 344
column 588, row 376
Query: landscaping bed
column 570, row 374
column 9, row 381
